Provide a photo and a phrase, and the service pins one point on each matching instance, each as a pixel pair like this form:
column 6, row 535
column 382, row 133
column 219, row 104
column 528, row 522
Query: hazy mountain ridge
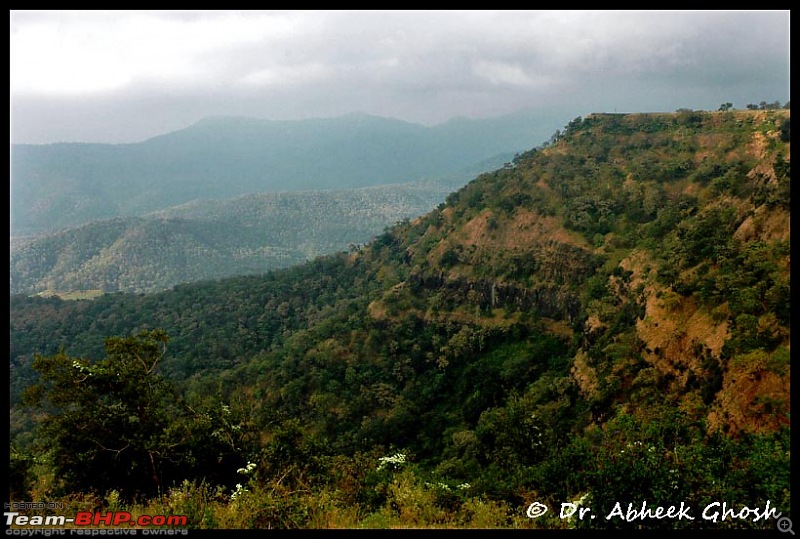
column 54, row 186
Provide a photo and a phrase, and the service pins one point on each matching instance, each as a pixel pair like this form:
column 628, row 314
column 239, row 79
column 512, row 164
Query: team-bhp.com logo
column 88, row 518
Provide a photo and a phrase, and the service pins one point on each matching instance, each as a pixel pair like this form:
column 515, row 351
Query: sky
column 125, row 76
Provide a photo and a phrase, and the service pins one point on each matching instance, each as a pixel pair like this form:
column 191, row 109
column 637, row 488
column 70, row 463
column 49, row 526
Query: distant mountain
column 55, row 186
column 206, row 239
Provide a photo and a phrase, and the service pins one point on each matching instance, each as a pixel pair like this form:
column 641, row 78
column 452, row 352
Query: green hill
column 605, row 320
column 208, row 239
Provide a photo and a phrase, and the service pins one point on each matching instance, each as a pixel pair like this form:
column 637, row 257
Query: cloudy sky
column 116, row 76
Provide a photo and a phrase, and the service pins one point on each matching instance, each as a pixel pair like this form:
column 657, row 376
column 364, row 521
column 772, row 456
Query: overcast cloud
column 124, row 76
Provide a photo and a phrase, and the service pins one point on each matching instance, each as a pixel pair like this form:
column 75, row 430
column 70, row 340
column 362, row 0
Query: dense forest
column 604, row 321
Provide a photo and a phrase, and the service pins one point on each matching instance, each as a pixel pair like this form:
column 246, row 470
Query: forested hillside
column 55, row 186
column 606, row 320
column 208, row 239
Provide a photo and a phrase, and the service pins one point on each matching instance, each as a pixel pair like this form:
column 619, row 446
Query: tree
column 118, row 424
column 725, row 107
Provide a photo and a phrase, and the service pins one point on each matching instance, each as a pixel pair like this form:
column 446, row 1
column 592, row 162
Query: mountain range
column 54, row 186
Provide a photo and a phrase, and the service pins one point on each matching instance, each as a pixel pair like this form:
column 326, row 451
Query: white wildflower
column 396, row 459
column 239, row 491
column 247, row 470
